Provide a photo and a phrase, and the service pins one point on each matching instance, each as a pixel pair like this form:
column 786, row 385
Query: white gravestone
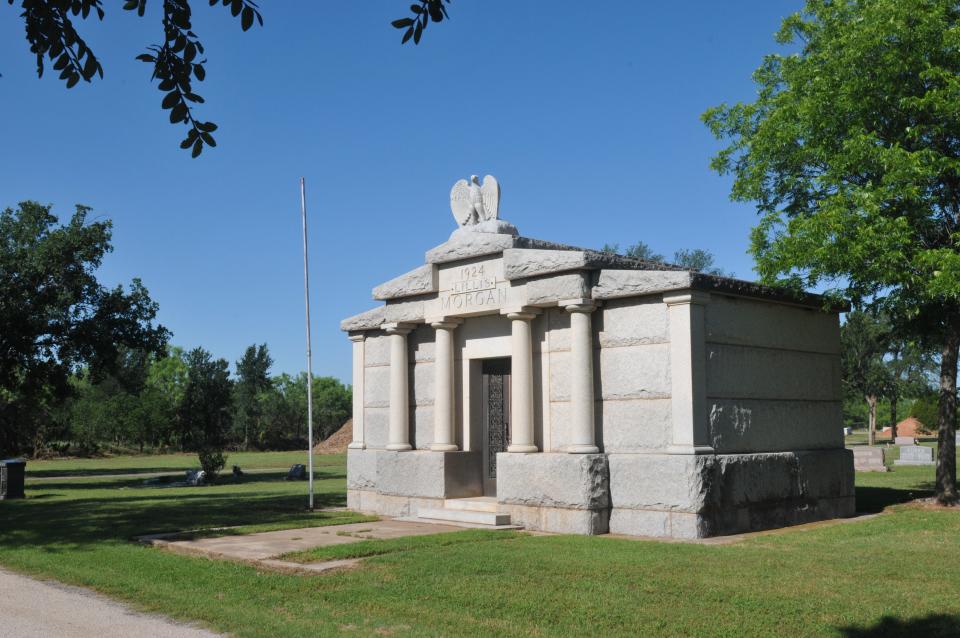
column 905, row 440
column 868, row 459
column 915, row 455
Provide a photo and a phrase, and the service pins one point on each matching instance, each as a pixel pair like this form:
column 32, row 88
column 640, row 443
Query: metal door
column 495, row 396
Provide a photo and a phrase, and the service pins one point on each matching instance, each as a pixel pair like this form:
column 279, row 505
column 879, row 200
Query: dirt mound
column 337, row 442
column 908, row 427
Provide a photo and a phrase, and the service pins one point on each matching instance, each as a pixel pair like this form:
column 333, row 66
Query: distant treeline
column 156, row 403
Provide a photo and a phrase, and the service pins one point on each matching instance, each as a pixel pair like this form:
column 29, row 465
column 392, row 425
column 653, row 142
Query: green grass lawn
column 896, row 574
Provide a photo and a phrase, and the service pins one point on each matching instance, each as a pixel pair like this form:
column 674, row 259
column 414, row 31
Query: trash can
column 11, row 478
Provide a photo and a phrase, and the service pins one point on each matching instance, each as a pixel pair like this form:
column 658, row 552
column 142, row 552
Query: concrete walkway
column 35, row 609
column 262, row 548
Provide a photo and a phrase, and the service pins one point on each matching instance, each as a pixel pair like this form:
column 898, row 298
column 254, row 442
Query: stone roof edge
column 744, row 288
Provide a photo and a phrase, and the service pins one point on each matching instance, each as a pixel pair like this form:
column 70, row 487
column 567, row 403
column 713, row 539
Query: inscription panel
column 472, row 288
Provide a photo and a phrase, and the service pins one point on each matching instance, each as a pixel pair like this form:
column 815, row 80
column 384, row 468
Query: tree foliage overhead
column 421, row 15
column 55, row 317
column 176, row 61
column 851, row 153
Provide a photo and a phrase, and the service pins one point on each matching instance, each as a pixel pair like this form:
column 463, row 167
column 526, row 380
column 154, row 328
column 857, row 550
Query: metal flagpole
column 306, row 296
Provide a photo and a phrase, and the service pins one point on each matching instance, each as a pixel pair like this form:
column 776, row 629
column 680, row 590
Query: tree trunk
column 893, row 418
column 947, row 452
column 872, row 421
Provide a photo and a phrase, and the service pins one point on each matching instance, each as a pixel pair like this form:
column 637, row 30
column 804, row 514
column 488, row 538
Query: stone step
column 476, row 504
column 464, row 516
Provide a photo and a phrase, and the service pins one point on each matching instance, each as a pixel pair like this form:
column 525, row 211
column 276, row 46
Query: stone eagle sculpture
column 472, row 203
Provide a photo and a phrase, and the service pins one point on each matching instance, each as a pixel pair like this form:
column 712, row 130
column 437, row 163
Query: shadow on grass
column 876, row 499
column 57, row 525
column 35, row 474
column 225, row 479
column 932, row 626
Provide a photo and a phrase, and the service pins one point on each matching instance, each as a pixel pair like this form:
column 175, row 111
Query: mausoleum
column 514, row 380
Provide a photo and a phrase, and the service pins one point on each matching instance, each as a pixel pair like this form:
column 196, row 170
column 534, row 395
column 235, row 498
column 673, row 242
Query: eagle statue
column 472, row 203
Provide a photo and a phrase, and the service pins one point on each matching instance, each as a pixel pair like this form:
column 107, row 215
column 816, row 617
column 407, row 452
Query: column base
column 357, row 445
column 516, row 448
column 690, row 449
column 582, row 449
column 443, row 447
column 399, row 447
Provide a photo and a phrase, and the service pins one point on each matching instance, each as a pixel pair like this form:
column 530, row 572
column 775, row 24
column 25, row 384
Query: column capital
column 520, row 312
column 444, row 323
column 397, row 328
column 357, row 336
column 687, row 297
column 578, row 305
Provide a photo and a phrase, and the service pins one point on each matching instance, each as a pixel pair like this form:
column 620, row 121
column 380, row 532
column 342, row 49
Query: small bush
column 212, row 461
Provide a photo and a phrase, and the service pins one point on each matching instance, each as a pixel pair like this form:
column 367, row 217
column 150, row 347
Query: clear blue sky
column 587, row 113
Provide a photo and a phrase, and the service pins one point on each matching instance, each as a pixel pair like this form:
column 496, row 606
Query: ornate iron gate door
column 496, row 418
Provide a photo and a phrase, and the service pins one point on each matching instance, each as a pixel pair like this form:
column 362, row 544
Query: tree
column 253, row 379
column 55, row 317
column 176, row 62
column 862, row 339
column 696, row 259
column 205, row 410
column 851, row 153
column 909, row 369
column 333, row 403
column 699, row 260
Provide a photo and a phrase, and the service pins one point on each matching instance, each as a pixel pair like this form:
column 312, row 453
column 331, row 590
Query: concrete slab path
column 262, row 548
column 40, row 609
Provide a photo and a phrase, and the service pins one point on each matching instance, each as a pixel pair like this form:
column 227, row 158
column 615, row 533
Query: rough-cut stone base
column 686, row 496
column 565, row 493
column 415, row 473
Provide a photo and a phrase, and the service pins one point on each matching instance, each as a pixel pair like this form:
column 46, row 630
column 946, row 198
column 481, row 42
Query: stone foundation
column 663, row 495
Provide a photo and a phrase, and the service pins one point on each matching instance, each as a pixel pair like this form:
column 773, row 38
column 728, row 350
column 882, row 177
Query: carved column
column 399, row 431
column 521, row 378
column 688, row 369
column 443, row 420
column 358, row 442
column 581, row 377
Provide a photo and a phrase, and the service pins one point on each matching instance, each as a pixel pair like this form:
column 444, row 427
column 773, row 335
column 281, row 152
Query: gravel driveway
column 41, row 609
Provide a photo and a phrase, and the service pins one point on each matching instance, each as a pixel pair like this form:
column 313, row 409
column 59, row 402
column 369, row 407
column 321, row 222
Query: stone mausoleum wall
column 716, row 403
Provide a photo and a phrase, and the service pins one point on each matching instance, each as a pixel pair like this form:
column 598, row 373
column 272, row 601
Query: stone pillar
column 688, row 369
column 399, row 432
column 358, row 442
column 581, row 376
column 521, row 379
column 443, row 403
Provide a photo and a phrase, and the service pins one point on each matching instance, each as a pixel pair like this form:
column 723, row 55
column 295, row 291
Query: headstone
column 196, row 477
column 297, row 472
column 847, row 431
column 868, row 459
column 905, row 440
column 915, row 455
column 957, row 439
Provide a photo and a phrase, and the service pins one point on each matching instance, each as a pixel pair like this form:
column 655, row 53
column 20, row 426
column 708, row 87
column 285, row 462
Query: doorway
column 495, row 398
